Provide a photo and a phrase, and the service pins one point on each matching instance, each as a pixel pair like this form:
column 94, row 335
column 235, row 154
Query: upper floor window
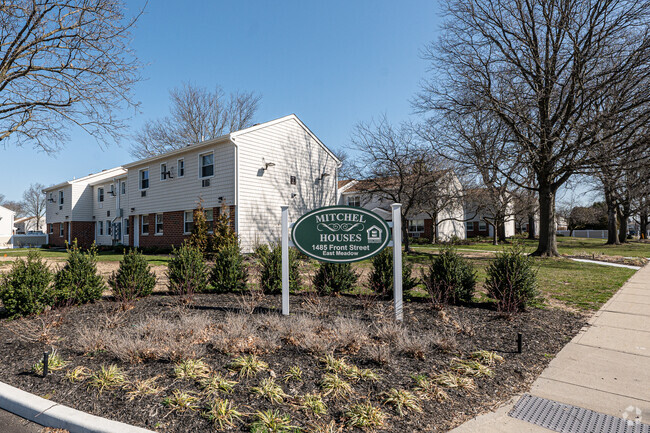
column 163, row 171
column 60, row 197
column 207, row 165
column 51, row 197
column 144, row 179
column 123, row 187
column 354, row 200
column 100, row 194
column 416, row 226
column 181, row 167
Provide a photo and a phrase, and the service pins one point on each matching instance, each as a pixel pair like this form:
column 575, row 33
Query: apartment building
column 248, row 174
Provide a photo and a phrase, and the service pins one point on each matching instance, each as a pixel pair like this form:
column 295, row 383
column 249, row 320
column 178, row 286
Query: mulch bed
column 464, row 328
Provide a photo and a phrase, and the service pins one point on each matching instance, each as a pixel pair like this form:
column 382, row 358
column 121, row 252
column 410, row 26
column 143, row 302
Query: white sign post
column 397, row 260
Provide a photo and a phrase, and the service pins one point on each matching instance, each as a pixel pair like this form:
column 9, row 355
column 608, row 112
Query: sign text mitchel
column 341, row 234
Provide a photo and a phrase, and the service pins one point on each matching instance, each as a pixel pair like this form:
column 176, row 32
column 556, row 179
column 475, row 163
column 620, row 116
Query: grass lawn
column 566, row 245
column 102, row 256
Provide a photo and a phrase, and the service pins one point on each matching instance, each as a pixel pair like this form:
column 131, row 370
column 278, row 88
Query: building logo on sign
column 374, row 235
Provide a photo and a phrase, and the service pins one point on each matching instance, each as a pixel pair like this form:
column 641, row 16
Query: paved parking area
column 10, row 423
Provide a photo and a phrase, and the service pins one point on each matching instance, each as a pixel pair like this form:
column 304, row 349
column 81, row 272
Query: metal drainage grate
column 564, row 418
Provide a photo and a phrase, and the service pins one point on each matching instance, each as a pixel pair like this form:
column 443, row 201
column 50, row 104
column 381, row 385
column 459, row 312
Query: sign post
column 397, row 261
column 285, row 260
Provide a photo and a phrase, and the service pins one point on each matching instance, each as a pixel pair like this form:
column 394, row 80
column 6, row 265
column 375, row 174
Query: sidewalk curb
column 50, row 414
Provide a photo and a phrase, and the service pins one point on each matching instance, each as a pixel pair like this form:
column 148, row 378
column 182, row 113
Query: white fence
column 592, row 234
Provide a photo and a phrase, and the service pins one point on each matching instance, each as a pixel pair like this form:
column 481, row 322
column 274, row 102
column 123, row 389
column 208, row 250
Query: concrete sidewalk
column 605, row 368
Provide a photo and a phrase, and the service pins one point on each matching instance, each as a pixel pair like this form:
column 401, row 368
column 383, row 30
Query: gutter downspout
column 232, row 139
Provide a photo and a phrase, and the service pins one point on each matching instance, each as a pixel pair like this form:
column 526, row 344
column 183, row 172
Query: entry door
column 136, row 231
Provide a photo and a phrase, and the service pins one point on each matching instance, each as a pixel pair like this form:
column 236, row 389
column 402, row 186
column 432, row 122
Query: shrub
column 133, row 278
column 78, row 281
column 199, row 236
column 271, row 272
column 334, row 278
column 450, row 278
column 26, row 288
column 381, row 276
column 229, row 273
column 187, row 271
column 512, row 280
column 223, row 233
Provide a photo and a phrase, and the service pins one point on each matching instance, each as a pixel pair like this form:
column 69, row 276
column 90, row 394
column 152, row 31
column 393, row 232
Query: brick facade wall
column 55, row 239
column 83, row 232
column 476, row 232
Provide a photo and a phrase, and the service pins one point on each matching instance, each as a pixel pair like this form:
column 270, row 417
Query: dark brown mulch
column 472, row 327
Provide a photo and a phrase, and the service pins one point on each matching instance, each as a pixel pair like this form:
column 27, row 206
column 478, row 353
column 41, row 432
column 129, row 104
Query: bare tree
column 541, row 67
column 64, row 64
column 394, row 166
column 15, row 206
column 196, row 114
column 34, row 203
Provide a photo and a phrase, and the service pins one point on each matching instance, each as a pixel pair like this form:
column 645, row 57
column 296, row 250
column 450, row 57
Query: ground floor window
column 188, row 221
column 482, row 226
column 61, row 230
column 51, row 229
column 109, row 228
column 159, row 223
column 416, row 226
column 126, row 226
column 145, row 224
column 209, row 220
column 469, row 226
column 100, row 228
column 354, row 200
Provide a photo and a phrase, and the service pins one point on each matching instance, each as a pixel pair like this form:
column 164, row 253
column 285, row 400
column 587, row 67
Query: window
column 292, row 180
column 354, row 200
column 181, row 168
column 482, row 226
column 109, row 228
column 163, row 171
column 126, row 226
column 188, row 222
column 61, row 230
column 60, row 197
column 209, row 219
column 123, row 187
column 207, row 165
column 145, row 224
column 469, row 226
column 144, row 179
column 51, row 197
column 100, row 195
column 51, row 230
column 159, row 223
column 100, row 228
column 416, row 226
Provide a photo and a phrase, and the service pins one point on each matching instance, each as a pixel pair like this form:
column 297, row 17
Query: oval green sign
column 341, row 234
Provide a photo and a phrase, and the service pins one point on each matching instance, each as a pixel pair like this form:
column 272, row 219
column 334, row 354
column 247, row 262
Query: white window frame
column 354, row 198
column 482, row 226
column 61, row 231
column 51, row 197
column 100, row 228
column 209, row 222
column 123, row 187
column 126, row 227
column 142, row 224
column 201, row 155
column 467, row 229
column 142, row 170
column 61, row 198
column 162, row 227
column 180, row 167
column 100, row 195
column 416, row 225
column 51, row 230
column 109, row 228
column 185, row 221
column 162, row 172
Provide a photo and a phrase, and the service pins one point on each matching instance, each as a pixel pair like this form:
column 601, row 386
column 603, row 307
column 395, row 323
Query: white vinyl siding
column 261, row 192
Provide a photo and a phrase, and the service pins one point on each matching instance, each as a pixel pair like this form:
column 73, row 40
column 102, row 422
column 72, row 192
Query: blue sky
column 333, row 63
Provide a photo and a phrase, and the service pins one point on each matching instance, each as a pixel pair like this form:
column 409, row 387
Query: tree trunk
column 623, row 226
column 612, row 229
column 405, row 235
column 531, row 226
column 495, row 234
column 547, row 246
column 501, row 230
column 643, row 226
column 434, row 228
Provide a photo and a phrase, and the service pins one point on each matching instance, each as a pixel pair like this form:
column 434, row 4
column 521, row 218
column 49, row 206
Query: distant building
column 6, row 227
column 28, row 225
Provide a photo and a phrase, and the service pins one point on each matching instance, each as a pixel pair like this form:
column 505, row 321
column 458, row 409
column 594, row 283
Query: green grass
column 103, row 256
column 566, row 245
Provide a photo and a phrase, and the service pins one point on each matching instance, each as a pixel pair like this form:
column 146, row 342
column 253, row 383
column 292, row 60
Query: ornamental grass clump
column 269, row 389
column 271, row 269
column 272, row 421
column 133, row 279
column 402, row 400
column 450, row 279
column 381, row 276
column 222, row 413
column 365, row 416
column 26, row 289
column 78, row 281
column 512, row 281
column 54, row 363
column 187, row 271
column 331, row 278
